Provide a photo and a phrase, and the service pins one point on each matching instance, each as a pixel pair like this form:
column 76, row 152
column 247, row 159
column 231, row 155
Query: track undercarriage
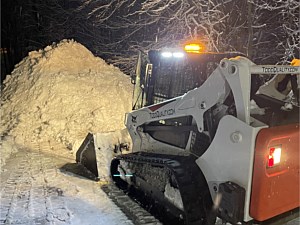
column 172, row 184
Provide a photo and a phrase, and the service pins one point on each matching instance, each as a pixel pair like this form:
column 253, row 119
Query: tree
column 264, row 30
column 277, row 36
column 132, row 25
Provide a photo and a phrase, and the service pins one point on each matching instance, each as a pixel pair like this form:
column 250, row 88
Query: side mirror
column 133, row 78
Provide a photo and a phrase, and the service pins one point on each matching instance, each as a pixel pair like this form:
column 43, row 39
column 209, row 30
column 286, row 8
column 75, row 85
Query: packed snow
column 37, row 188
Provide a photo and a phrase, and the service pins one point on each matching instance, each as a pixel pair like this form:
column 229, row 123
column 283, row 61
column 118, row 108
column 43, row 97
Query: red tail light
column 274, row 156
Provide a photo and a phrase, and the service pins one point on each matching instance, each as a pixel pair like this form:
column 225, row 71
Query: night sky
column 266, row 31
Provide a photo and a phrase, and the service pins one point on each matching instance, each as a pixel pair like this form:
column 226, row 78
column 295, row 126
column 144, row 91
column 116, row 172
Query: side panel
column 275, row 190
column 230, row 158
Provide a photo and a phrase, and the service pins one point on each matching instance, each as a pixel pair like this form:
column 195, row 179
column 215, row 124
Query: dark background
column 267, row 31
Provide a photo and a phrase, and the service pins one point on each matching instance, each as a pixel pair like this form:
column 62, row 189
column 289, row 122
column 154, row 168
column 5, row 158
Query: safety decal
column 156, row 107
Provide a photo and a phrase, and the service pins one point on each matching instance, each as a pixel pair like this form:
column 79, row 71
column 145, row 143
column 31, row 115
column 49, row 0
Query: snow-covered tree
column 276, row 30
column 267, row 31
column 122, row 27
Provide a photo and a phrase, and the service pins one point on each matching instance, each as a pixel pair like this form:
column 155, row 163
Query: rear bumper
column 275, row 190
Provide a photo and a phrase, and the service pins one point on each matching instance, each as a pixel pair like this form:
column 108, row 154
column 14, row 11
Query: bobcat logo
column 133, row 119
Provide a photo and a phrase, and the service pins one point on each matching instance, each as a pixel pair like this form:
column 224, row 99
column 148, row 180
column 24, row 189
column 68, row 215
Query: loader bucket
column 86, row 155
column 98, row 149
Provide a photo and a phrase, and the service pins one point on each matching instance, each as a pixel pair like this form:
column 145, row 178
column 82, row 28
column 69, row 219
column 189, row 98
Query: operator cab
column 169, row 73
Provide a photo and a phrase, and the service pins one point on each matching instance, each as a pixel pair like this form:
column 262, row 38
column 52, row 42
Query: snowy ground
column 36, row 190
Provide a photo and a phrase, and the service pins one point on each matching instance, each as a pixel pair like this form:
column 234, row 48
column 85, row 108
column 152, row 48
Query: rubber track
column 132, row 209
column 189, row 179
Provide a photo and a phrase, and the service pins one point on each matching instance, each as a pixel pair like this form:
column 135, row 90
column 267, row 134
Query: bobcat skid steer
column 203, row 154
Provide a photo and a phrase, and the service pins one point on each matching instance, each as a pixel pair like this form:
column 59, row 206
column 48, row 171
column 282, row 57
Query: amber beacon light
column 194, row 48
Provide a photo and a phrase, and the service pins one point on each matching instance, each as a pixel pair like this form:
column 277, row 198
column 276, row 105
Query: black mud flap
column 86, row 155
column 231, row 207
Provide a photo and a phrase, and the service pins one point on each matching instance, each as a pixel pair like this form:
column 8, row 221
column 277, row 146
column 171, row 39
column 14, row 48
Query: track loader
column 198, row 152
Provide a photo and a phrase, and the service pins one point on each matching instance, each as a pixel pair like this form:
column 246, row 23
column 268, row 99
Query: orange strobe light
column 194, row 48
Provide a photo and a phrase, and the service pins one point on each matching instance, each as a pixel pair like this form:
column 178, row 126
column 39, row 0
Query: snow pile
column 61, row 93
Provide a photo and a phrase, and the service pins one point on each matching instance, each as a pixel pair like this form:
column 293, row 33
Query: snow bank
column 61, row 93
